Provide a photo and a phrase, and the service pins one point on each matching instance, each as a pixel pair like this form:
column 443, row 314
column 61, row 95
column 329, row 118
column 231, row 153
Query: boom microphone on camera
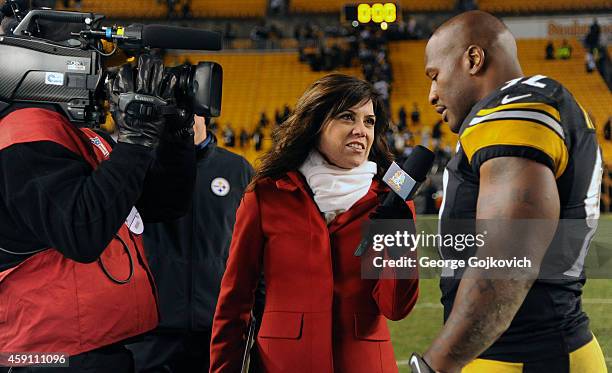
column 134, row 36
column 171, row 37
column 137, row 36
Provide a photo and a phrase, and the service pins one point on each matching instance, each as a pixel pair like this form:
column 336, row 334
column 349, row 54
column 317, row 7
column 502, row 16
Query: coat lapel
column 294, row 181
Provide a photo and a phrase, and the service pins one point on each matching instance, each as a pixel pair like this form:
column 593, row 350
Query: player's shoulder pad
column 537, row 85
column 522, row 113
column 531, row 99
column 524, row 92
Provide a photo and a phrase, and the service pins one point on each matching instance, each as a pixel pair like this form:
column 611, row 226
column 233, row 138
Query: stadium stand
column 411, row 84
column 530, row 6
column 331, row 6
column 159, row 9
column 121, row 8
column 495, row 6
column 257, row 8
column 255, row 83
column 224, row 8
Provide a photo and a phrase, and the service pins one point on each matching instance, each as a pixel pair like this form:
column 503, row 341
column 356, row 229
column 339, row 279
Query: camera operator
column 73, row 274
column 187, row 258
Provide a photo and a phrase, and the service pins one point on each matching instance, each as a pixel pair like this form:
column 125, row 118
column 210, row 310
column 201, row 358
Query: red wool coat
column 319, row 315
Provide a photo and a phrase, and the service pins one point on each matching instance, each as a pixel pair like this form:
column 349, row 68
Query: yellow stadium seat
column 530, row 6
column 224, row 8
column 255, row 82
column 331, row 6
column 121, row 8
column 159, row 8
column 411, row 84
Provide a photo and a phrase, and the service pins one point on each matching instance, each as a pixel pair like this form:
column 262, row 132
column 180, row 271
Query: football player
column 527, row 150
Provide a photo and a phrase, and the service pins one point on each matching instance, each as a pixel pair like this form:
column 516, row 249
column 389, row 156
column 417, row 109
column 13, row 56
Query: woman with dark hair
column 299, row 223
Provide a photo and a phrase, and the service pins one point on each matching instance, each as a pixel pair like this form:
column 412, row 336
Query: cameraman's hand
column 179, row 122
column 135, row 101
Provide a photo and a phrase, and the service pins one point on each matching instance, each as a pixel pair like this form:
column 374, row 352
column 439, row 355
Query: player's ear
column 476, row 57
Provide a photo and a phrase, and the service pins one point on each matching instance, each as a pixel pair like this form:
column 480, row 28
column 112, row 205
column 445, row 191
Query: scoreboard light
column 371, row 13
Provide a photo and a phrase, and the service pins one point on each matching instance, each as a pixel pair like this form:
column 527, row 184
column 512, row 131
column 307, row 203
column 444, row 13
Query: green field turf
column 416, row 331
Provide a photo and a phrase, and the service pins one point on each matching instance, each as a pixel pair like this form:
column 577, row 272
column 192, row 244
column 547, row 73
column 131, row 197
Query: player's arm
column 510, row 188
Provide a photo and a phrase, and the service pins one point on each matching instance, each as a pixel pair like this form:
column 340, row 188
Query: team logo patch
column 220, row 186
column 397, row 180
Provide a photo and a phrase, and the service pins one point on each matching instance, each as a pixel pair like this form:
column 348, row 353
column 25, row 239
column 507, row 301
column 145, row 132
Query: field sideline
column 416, row 331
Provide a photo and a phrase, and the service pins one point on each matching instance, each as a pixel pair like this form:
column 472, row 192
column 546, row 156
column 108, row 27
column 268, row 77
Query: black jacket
column 187, row 256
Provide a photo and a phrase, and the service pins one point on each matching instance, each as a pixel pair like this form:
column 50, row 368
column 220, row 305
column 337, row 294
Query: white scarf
column 336, row 189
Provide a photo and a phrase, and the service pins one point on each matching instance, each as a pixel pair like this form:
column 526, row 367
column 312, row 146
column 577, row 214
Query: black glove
column 397, row 210
column 418, row 365
column 137, row 101
column 179, row 123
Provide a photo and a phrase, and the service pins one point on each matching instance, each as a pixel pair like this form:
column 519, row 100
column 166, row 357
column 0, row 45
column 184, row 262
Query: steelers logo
column 220, row 187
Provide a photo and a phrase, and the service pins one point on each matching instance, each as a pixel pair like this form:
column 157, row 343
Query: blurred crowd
column 595, row 57
column 403, row 135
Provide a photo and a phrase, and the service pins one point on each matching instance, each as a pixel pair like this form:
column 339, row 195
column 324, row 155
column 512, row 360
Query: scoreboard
column 368, row 13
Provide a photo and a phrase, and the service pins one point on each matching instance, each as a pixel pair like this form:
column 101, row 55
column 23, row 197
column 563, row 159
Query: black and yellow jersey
column 535, row 118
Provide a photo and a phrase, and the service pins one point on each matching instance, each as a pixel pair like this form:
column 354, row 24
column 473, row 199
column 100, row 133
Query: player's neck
column 499, row 78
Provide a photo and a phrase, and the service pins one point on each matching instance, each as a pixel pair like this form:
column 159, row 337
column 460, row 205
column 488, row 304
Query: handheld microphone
column 404, row 182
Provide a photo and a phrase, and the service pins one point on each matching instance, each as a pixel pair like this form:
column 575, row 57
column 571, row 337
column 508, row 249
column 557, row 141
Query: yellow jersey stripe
column 518, row 133
column 526, row 106
column 488, row 366
column 587, row 118
column 522, row 115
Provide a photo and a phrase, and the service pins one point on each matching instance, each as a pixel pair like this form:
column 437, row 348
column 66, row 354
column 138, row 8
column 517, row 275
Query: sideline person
column 299, row 223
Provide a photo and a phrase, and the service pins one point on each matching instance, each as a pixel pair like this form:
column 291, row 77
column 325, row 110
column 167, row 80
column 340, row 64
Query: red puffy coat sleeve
column 238, row 286
column 396, row 297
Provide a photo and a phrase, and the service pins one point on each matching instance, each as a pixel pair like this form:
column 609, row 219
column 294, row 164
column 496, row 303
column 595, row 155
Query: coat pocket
column 371, row 327
column 286, row 325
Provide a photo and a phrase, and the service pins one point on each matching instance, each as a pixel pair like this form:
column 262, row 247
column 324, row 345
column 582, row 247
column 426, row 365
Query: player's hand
column 136, row 103
column 418, row 365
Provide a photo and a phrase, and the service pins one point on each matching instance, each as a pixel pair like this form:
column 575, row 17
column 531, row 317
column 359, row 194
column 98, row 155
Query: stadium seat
column 530, row 6
column 121, row 8
column 257, row 82
column 159, row 8
column 331, row 6
column 224, row 8
column 411, row 84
